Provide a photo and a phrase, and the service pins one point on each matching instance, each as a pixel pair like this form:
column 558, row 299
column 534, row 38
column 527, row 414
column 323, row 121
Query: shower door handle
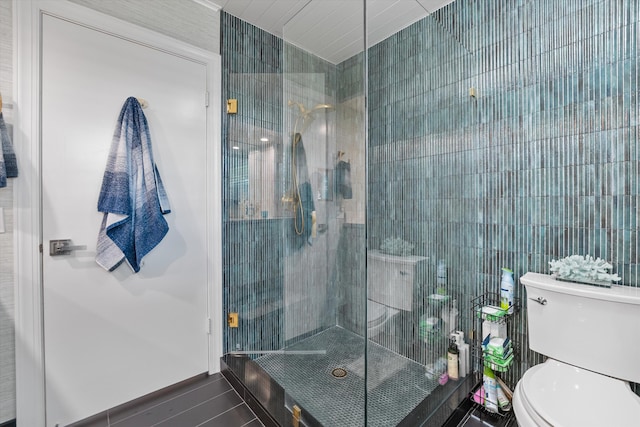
column 539, row 300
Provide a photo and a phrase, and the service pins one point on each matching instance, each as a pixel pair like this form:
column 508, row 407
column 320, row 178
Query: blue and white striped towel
column 132, row 196
column 8, row 163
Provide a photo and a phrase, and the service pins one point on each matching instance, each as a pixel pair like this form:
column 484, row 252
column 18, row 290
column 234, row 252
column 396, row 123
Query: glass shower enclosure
column 330, row 258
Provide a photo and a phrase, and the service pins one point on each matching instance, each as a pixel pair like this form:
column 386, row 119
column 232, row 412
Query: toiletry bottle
column 490, row 390
column 506, row 290
column 463, row 357
column 503, row 402
column 452, row 361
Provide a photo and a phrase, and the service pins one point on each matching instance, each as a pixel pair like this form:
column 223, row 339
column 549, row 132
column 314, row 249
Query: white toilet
column 390, row 285
column 591, row 337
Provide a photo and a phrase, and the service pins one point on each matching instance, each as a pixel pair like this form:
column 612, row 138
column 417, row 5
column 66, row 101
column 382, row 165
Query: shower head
column 305, row 116
column 322, row 107
column 304, row 112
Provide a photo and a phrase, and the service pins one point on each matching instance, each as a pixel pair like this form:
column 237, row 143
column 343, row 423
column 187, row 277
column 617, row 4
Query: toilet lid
column 564, row 395
column 376, row 313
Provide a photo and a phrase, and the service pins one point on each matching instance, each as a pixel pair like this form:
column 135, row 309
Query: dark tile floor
column 204, row 401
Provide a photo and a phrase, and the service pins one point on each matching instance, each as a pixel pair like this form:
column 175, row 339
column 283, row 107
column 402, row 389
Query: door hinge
column 206, row 99
column 232, row 320
column 209, row 326
column 40, row 249
column 296, row 413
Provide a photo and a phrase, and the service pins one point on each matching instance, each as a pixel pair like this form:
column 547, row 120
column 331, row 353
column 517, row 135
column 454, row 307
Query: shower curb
column 279, row 400
column 261, row 412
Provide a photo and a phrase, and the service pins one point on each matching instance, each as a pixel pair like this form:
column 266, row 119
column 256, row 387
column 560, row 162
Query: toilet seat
column 562, row 395
column 525, row 413
column 376, row 314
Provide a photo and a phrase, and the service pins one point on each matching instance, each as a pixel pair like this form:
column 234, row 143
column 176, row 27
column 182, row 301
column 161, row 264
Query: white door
column 112, row 337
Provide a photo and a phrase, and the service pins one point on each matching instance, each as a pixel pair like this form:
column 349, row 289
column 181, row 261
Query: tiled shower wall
column 541, row 163
column 501, row 133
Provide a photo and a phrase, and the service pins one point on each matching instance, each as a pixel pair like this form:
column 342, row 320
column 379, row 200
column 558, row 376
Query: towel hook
column 143, row 102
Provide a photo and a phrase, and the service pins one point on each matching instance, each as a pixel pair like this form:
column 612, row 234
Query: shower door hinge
column 232, row 106
column 206, row 99
column 296, row 413
column 232, row 320
column 209, row 325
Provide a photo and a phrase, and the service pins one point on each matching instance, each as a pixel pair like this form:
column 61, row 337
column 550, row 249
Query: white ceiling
column 331, row 29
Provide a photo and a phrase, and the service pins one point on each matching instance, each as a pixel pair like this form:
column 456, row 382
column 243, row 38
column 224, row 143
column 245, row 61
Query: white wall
column 184, row 20
column 7, row 348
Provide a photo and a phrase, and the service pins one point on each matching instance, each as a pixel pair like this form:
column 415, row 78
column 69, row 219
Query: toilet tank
column 586, row 326
column 391, row 279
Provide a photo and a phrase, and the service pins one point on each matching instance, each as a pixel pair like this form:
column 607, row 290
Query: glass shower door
column 422, row 121
column 322, row 364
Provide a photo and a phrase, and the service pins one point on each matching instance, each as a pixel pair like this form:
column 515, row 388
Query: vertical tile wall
column 351, row 127
column 351, row 250
column 540, row 164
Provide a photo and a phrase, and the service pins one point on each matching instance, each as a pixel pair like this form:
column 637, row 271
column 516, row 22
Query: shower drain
column 339, row 373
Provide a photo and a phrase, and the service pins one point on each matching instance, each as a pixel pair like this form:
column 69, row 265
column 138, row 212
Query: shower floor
column 395, row 384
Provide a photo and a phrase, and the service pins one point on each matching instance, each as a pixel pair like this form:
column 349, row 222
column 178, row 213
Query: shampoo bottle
column 506, row 290
column 452, row 361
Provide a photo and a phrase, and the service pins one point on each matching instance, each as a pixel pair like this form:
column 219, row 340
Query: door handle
column 539, row 300
column 63, row 247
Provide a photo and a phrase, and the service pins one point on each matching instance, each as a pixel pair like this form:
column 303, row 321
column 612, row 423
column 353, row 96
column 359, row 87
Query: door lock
column 63, row 247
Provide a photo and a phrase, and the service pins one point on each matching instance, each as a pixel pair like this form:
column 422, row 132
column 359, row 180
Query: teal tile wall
column 542, row 163
column 350, row 78
column 351, row 279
